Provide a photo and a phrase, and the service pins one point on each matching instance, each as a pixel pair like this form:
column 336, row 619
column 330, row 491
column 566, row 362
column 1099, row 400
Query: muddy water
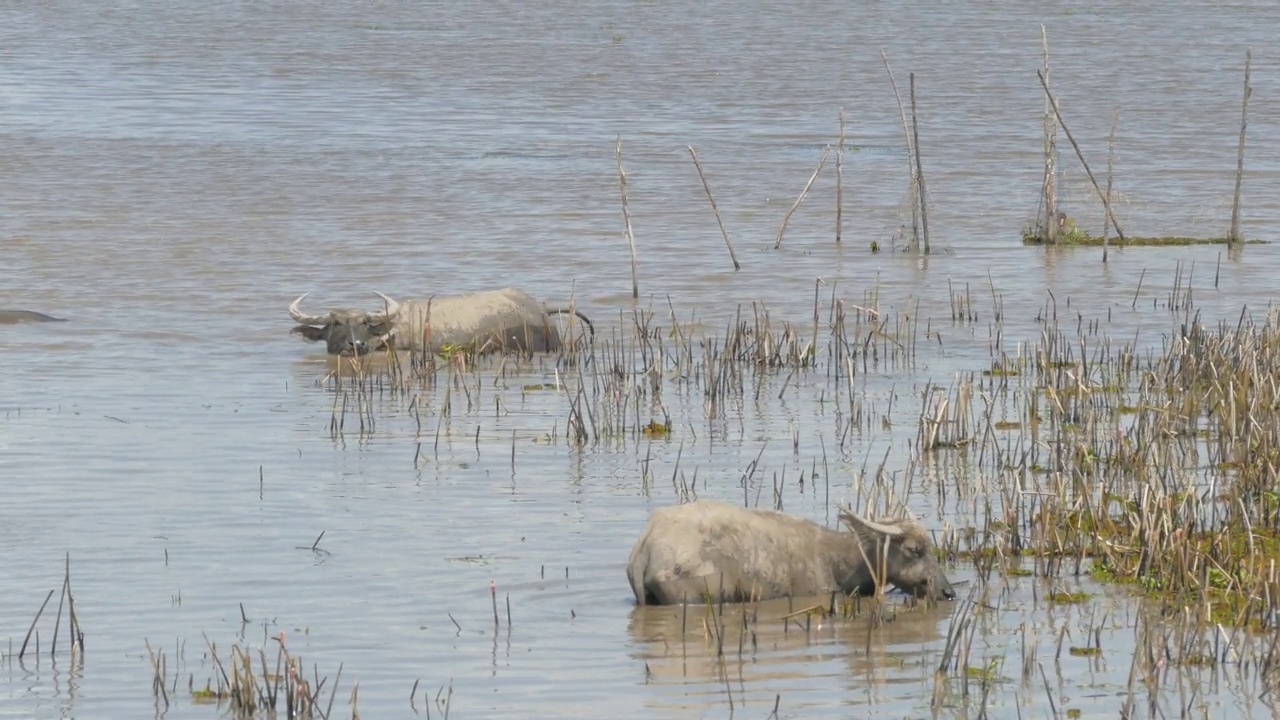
column 175, row 174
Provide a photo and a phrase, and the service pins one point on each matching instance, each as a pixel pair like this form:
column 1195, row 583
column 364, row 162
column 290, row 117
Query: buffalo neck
column 848, row 567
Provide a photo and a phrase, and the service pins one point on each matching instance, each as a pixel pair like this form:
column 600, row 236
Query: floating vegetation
column 1081, row 238
column 656, row 429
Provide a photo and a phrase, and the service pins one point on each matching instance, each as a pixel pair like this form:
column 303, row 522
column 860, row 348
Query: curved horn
column 302, row 318
column 392, row 308
column 882, row 527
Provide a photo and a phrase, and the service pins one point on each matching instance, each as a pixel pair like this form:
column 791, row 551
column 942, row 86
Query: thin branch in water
column 783, row 227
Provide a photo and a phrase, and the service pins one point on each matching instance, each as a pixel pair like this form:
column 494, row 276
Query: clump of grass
column 656, row 429
column 244, row 690
column 1069, row 598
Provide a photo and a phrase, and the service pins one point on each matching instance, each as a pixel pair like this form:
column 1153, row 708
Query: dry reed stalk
column 158, row 674
column 715, row 210
column 786, row 218
column 626, row 218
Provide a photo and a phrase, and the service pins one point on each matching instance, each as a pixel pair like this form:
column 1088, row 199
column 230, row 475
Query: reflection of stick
column 1106, row 201
column 714, row 209
column 1234, row 235
column 626, row 217
column 782, row 228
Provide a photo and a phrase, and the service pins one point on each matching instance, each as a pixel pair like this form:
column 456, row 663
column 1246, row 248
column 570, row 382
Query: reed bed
column 246, row 683
column 614, row 383
column 1072, row 458
column 1158, row 468
column 1154, row 465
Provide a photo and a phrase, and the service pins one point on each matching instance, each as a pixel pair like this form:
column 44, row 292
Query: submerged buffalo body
column 490, row 321
column 706, row 548
column 13, row 317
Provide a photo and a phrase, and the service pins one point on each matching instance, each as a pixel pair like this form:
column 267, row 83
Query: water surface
column 175, row 174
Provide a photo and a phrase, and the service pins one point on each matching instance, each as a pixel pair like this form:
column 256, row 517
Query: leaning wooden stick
column 915, row 142
column 911, row 150
column 1111, row 162
column 1050, row 187
column 782, row 228
column 1234, row 235
column 1106, row 201
column 715, row 210
column 23, row 651
column 626, row 218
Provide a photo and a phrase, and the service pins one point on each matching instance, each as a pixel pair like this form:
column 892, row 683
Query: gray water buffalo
column 707, row 548
column 483, row 322
column 14, row 317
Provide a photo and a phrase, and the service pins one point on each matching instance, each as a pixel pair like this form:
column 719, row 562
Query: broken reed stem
column 1106, row 201
column 626, row 218
column 57, row 620
column 920, row 198
column 911, row 151
column 1234, row 235
column 73, row 623
column 783, row 227
column 840, row 179
column 716, row 211
column 75, row 637
column 493, row 592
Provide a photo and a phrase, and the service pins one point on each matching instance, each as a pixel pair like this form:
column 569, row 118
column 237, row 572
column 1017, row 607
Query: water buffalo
column 707, row 548
column 13, row 317
column 491, row 321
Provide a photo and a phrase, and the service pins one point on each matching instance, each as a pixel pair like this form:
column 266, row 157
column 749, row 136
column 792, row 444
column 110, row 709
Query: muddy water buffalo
column 13, row 317
column 491, row 321
column 708, row 548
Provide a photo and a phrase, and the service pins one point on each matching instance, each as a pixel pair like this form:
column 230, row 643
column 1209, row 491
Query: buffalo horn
column 303, row 319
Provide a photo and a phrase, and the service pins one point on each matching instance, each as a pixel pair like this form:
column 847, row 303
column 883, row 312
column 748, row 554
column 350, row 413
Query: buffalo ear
column 314, row 334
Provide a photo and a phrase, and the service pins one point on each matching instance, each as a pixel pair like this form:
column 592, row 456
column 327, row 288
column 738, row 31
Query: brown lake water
column 174, row 174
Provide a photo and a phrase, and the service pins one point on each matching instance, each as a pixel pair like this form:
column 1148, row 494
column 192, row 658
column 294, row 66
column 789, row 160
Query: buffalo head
column 347, row 332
